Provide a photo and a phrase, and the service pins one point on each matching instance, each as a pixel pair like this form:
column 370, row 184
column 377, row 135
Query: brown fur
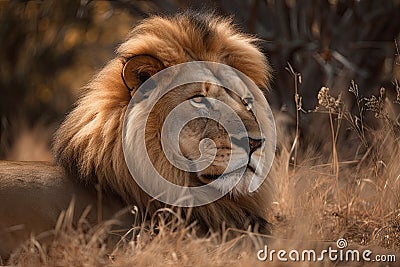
column 33, row 195
column 89, row 144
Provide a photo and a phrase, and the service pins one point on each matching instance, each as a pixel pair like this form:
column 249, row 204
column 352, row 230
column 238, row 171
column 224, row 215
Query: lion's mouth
column 232, row 176
column 237, row 182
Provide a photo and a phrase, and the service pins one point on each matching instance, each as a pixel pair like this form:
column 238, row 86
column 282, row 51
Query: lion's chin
column 236, row 183
column 240, row 181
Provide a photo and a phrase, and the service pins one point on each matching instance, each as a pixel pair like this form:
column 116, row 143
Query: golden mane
column 88, row 144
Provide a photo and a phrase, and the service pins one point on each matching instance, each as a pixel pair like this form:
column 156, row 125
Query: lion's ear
column 138, row 69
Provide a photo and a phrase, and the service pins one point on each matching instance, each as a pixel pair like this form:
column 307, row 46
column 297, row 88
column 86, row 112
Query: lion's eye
column 199, row 101
column 248, row 102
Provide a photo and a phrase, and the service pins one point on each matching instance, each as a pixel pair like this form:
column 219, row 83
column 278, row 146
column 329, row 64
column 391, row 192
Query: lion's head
column 89, row 143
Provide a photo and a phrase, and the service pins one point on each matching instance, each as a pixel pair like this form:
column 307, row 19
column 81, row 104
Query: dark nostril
column 254, row 144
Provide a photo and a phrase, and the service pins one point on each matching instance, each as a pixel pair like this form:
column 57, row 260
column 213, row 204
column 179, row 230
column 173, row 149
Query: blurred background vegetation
column 51, row 48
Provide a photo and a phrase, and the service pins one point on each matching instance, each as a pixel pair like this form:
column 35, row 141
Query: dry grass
column 340, row 188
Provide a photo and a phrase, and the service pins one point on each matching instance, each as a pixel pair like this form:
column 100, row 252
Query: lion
column 88, row 146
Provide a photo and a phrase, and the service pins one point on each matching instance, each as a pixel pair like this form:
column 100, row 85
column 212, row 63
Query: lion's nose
column 253, row 144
